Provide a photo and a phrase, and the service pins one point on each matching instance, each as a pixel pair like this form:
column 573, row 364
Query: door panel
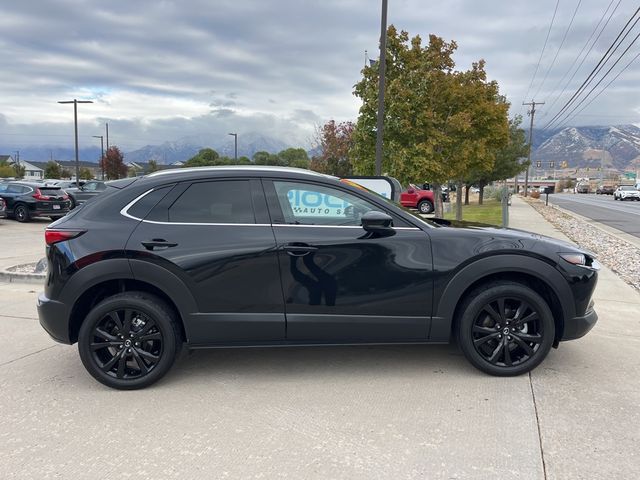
column 231, row 269
column 342, row 284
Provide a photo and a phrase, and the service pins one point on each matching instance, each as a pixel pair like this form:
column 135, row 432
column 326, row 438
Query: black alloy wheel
column 425, row 206
column 21, row 212
column 129, row 340
column 506, row 329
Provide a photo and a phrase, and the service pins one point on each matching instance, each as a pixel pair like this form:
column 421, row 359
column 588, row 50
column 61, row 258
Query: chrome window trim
column 125, row 212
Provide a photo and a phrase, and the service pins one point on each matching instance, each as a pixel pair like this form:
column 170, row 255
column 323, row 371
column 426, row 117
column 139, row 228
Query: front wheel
column 129, row 341
column 505, row 328
column 425, row 206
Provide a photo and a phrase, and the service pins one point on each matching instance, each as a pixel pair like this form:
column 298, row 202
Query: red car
column 415, row 197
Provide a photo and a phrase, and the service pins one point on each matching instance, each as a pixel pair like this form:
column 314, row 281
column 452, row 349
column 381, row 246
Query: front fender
column 508, row 263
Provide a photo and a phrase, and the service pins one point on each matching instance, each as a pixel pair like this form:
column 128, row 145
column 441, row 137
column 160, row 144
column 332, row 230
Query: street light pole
column 102, row 156
column 381, row 80
column 235, row 139
column 107, row 126
column 75, row 123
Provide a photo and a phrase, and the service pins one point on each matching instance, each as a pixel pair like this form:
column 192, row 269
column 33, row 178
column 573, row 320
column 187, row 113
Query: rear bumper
column 54, row 318
column 579, row 326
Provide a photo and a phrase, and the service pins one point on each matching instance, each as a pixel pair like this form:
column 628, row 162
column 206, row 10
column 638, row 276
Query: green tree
column 205, row 158
column 6, row 170
column 113, row 164
column 439, row 123
column 293, row 157
column 52, row 170
column 153, row 166
column 85, row 174
column 19, row 170
column 265, row 158
column 335, row 141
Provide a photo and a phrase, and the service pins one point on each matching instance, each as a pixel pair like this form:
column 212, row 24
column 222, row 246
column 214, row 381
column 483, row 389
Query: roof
column 5, row 158
column 241, row 168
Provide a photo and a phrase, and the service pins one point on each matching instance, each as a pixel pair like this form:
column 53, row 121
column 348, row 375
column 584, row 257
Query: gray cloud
column 161, row 70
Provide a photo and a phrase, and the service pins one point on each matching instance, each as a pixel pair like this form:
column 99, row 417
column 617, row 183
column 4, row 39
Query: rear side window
column 227, row 201
column 17, row 189
column 143, row 206
column 51, row 192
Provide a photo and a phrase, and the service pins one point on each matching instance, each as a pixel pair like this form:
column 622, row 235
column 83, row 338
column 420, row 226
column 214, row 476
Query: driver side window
column 309, row 204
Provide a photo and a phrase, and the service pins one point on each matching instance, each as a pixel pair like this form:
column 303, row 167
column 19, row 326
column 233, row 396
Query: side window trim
column 278, row 217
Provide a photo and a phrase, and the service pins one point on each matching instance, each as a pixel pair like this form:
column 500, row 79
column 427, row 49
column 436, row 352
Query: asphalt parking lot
column 349, row 412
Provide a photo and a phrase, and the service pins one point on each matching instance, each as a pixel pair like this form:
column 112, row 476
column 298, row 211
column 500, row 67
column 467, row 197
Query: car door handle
column 299, row 249
column 157, row 244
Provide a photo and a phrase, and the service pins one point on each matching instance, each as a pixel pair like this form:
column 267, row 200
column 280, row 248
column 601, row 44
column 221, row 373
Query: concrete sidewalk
column 587, row 392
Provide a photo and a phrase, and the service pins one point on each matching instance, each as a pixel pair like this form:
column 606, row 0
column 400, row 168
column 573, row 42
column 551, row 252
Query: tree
column 65, row 173
column 335, row 141
column 204, row 158
column 113, row 164
column 19, row 170
column 265, row 158
column 52, row 170
column 153, row 166
column 439, row 123
column 6, row 170
column 85, row 174
column 293, row 157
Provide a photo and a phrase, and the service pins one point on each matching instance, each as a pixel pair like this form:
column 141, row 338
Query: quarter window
column 214, row 202
column 309, row 204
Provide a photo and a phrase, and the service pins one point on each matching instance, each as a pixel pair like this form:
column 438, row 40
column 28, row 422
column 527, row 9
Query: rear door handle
column 157, row 244
column 299, row 249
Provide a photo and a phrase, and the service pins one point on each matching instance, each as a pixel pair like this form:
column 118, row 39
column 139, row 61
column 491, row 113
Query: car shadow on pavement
column 275, row 363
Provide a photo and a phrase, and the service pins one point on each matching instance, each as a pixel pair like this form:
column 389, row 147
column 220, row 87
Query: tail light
column 52, row 236
column 65, row 197
column 38, row 195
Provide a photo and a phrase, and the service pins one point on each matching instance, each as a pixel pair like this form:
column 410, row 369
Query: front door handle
column 299, row 249
column 157, row 244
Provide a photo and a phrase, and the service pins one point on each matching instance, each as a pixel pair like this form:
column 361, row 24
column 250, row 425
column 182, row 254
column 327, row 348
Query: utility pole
column 235, row 139
column 102, row 149
column 531, row 113
column 107, row 125
column 381, row 80
column 75, row 123
column 18, row 157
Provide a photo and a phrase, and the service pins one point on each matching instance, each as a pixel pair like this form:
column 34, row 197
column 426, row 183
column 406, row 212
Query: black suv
column 239, row 256
column 26, row 200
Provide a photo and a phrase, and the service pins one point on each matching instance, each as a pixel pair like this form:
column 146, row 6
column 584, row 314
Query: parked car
column 3, row 208
column 415, row 197
column 626, row 192
column 29, row 199
column 233, row 256
column 582, row 188
column 85, row 191
column 605, row 190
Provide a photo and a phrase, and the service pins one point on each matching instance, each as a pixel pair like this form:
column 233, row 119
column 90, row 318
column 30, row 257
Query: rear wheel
column 425, row 206
column 129, row 341
column 21, row 212
column 505, row 328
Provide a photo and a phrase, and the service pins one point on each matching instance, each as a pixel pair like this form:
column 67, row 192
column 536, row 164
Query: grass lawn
column 490, row 212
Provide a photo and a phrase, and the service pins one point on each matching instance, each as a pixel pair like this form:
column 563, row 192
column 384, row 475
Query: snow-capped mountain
column 618, row 145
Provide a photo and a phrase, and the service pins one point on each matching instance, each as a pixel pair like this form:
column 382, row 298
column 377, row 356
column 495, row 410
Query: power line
column 586, row 55
column 569, row 116
column 564, row 37
column 535, row 72
column 605, row 58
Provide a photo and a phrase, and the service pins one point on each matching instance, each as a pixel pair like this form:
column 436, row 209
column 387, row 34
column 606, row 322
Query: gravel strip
column 620, row 256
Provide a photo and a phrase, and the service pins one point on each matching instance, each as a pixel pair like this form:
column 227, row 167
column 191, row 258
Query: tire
column 21, row 213
column 55, row 217
column 505, row 328
column 425, row 206
column 72, row 202
column 136, row 327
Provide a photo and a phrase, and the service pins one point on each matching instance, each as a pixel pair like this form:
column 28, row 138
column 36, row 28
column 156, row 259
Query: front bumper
column 578, row 327
column 54, row 318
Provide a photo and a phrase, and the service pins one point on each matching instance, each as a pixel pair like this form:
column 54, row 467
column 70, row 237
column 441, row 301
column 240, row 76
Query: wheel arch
column 532, row 272
column 103, row 279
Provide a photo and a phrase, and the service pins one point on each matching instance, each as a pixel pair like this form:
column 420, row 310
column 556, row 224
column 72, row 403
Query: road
column 624, row 216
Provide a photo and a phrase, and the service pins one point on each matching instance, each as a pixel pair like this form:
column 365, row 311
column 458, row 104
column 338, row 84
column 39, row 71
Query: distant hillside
column 585, row 146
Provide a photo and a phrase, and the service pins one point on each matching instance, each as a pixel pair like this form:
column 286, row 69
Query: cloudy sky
column 161, row 70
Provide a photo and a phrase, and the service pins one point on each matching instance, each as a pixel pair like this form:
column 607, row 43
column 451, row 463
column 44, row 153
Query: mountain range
column 617, row 147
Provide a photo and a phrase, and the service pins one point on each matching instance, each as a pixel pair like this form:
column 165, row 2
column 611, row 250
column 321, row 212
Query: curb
column 620, row 235
column 31, row 278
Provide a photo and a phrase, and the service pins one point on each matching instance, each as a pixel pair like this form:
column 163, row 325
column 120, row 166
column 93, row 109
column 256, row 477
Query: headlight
column 580, row 259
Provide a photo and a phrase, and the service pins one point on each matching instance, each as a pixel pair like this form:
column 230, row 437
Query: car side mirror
column 378, row 223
